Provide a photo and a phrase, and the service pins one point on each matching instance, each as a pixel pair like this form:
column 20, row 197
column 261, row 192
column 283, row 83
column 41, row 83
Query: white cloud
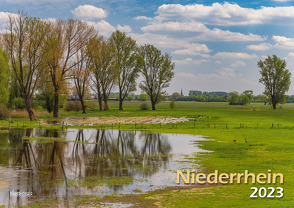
column 143, row 18
column 238, row 64
column 227, row 14
column 4, row 17
column 283, row 42
column 260, row 47
column 160, row 40
column 193, row 49
column 102, row 27
column 199, row 32
column 89, row 12
column 233, row 55
column 190, row 61
column 124, row 28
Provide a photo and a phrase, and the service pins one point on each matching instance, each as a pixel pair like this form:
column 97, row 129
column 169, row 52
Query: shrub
column 91, row 105
column 18, row 103
column 172, row 104
column 144, row 106
column 143, row 97
column 4, row 112
column 22, row 114
column 72, row 106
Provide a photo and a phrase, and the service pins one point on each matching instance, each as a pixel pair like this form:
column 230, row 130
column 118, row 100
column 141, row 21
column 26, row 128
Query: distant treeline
column 233, row 97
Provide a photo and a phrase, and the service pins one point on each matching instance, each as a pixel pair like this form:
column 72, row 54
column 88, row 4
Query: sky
column 215, row 45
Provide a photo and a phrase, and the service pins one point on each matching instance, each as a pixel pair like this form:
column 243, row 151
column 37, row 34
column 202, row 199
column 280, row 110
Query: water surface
column 62, row 164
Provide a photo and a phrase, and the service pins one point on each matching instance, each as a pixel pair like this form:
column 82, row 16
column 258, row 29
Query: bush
column 72, row 106
column 144, row 106
column 18, row 103
column 91, row 105
column 4, row 112
column 143, row 97
column 172, row 104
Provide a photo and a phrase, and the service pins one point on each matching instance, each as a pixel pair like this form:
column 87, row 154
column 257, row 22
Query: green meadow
column 270, row 146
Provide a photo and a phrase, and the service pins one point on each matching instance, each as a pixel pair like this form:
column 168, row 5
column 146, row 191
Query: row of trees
column 47, row 56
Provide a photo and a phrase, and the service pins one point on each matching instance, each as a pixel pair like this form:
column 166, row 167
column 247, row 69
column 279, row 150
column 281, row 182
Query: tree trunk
column 56, row 106
column 106, row 107
column 100, row 103
column 121, row 104
column 153, row 105
column 29, row 109
column 84, row 108
column 274, row 105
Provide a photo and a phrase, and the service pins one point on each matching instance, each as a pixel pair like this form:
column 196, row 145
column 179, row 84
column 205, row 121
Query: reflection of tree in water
column 155, row 151
column 101, row 154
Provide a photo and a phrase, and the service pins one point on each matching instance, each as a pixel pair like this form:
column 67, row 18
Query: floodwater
column 89, row 162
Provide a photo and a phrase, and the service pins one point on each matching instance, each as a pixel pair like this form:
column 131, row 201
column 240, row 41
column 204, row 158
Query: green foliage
column 275, row 77
column 4, row 112
column 143, row 97
column 172, row 104
column 244, row 99
column 144, row 106
column 18, row 103
column 72, row 106
column 130, row 98
column 234, row 98
column 157, row 71
column 124, row 62
column 176, row 96
column 4, row 77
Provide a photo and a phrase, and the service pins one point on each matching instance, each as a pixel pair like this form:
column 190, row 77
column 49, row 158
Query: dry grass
column 22, row 114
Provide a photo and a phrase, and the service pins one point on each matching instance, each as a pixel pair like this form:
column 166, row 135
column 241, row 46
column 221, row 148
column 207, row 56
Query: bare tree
column 65, row 40
column 80, row 74
column 104, row 76
column 24, row 42
column 124, row 63
column 157, row 71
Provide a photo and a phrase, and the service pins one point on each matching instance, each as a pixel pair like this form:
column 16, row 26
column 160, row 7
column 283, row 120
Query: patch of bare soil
column 119, row 120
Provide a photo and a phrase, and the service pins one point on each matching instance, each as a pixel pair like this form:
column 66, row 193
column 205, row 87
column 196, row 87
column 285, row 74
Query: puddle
column 88, row 162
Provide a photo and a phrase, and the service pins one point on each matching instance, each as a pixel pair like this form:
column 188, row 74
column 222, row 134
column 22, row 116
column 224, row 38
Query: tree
column 234, row 98
column 275, row 77
column 249, row 94
column 104, row 74
column 143, row 97
column 4, row 77
column 157, row 71
column 244, row 99
column 176, row 96
column 80, row 74
column 64, row 41
column 125, row 64
column 25, row 44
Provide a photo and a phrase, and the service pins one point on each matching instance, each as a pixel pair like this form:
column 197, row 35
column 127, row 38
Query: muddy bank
column 117, row 120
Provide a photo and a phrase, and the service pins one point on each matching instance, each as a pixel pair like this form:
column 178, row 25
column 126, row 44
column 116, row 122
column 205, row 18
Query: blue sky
column 214, row 44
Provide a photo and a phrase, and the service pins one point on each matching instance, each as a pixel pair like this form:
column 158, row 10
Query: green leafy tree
column 176, row 95
column 143, row 97
column 103, row 73
column 157, row 71
column 4, row 77
column 234, row 98
column 276, row 79
column 124, row 63
column 244, row 99
column 249, row 94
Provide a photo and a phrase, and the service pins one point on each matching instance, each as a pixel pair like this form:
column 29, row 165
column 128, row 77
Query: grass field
column 270, row 136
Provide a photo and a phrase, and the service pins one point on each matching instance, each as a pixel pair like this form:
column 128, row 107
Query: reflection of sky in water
column 32, row 167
